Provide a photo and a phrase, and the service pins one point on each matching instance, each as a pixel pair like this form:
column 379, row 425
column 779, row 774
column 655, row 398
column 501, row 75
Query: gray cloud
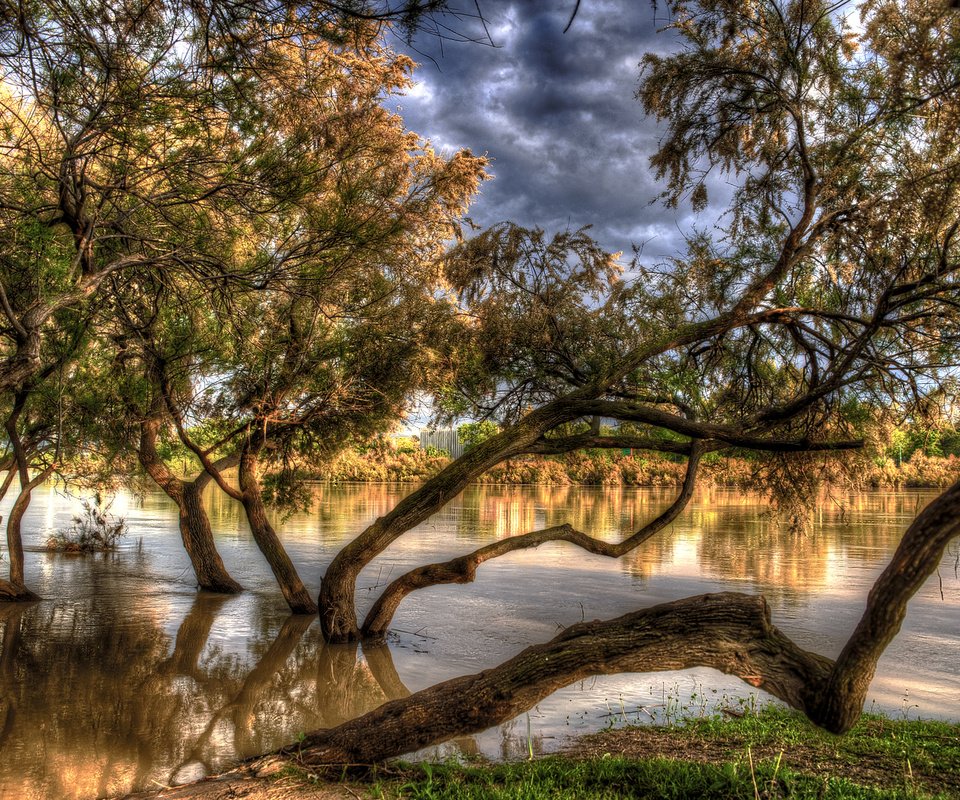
column 556, row 114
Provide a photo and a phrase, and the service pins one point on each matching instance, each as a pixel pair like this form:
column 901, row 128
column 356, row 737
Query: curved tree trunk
column 198, row 540
column 15, row 590
column 337, row 600
column 729, row 632
column 294, row 592
column 917, row 557
column 464, row 568
column 195, row 530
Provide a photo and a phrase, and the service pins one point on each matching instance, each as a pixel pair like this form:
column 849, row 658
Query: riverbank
column 773, row 753
column 392, row 463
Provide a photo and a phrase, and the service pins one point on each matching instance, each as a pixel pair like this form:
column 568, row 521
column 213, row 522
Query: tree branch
column 729, row 632
column 464, row 568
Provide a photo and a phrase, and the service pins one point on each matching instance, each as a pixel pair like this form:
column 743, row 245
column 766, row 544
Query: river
column 124, row 677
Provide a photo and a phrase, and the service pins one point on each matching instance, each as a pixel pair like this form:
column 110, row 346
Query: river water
column 125, row 677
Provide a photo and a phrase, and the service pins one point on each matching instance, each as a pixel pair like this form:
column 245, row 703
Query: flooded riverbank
column 125, row 677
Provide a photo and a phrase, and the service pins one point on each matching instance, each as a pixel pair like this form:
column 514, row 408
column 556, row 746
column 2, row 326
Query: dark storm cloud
column 556, row 113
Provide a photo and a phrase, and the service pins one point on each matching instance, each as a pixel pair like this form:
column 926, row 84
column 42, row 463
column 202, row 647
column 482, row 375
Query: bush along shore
column 764, row 755
column 392, row 462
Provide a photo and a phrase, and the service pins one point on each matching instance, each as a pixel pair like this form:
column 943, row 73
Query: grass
column 619, row 777
column 770, row 754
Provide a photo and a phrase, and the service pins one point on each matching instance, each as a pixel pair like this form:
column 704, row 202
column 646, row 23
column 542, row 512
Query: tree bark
column 728, row 632
column 194, row 523
column 15, row 590
column 294, row 592
column 838, row 706
column 250, row 496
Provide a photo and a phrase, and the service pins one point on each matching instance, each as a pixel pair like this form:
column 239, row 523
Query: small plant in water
column 95, row 530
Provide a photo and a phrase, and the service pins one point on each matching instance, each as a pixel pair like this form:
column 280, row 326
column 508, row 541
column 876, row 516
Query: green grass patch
column 618, row 777
column 773, row 753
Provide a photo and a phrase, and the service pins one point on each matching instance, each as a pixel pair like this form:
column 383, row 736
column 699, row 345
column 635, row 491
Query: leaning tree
column 161, row 138
column 832, row 287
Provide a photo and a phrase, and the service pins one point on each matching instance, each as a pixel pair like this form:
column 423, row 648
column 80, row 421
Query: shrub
column 96, row 530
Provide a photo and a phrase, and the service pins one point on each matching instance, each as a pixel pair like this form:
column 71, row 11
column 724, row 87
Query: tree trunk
column 917, row 557
column 15, row 590
column 337, row 600
column 195, row 528
column 198, row 540
column 294, row 592
column 464, row 568
column 729, row 632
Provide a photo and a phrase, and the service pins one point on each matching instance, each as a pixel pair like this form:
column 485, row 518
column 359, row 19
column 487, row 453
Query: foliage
column 470, row 434
column 602, row 468
column 394, row 465
column 95, row 530
column 825, row 294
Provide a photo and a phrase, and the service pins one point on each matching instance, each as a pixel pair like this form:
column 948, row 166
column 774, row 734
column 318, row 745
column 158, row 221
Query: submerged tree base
column 12, row 593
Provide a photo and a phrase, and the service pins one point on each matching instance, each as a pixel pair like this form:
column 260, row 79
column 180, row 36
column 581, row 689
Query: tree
column 337, row 330
column 205, row 150
column 47, row 418
column 833, row 285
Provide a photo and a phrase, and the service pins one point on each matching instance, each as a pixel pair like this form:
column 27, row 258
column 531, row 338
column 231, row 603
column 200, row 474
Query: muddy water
column 125, row 677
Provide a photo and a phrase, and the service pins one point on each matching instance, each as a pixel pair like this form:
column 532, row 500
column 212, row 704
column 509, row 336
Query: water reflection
column 94, row 705
column 125, row 676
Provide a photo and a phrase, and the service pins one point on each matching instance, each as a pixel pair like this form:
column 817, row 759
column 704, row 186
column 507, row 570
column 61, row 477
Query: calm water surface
column 124, row 677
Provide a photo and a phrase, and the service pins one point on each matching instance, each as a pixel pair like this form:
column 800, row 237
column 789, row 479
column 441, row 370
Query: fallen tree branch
column 729, row 632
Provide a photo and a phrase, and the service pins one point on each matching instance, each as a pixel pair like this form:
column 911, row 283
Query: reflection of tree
column 334, row 510
column 380, row 661
column 240, row 710
column 345, row 685
column 74, row 674
column 192, row 636
column 10, row 643
column 96, row 701
column 731, row 536
column 488, row 510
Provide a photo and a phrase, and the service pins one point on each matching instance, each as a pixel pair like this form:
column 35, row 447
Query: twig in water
column 416, row 633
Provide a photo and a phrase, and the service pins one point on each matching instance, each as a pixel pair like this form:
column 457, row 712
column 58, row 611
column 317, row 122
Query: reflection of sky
column 135, row 665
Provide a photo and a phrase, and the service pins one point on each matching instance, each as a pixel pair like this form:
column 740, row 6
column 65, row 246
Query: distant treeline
column 914, row 459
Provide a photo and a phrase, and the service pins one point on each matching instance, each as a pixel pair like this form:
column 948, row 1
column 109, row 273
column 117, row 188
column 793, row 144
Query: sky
column 555, row 112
